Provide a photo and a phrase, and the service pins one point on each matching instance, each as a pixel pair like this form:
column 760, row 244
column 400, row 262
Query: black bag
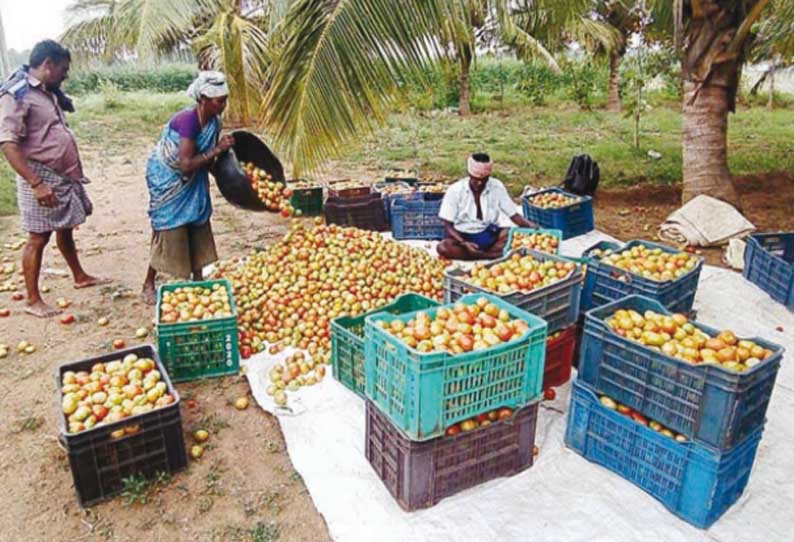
column 583, row 176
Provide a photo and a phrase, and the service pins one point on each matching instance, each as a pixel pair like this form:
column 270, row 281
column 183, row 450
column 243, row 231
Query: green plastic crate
column 347, row 339
column 200, row 349
column 529, row 231
column 423, row 394
column 309, row 201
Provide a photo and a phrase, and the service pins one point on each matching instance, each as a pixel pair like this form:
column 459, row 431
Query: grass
column 535, row 145
column 531, row 145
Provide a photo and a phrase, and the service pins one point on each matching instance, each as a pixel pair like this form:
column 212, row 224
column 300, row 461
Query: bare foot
column 88, row 281
column 149, row 295
column 42, row 310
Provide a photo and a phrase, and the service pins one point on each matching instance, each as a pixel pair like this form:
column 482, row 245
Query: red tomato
column 453, row 430
column 245, row 352
column 482, row 417
column 191, row 403
column 549, row 394
column 118, row 344
column 505, row 413
column 67, row 319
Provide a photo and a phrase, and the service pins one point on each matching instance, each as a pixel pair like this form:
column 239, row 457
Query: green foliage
column 129, row 77
column 537, row 82
column 8, row 188
column 582, row 80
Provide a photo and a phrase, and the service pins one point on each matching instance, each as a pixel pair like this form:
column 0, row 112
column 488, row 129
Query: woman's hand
column 226, row 142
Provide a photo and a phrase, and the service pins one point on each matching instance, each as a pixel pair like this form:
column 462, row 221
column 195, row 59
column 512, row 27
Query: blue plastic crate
column 605, row 283
column 695, row 482
column 573, row 220
column 424, row 393
column 416, row 218
column 557, row 303
column 705, row 402
column 528, row 231
column 769, row 264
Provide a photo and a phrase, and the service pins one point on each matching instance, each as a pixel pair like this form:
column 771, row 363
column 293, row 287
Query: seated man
column 470, row 211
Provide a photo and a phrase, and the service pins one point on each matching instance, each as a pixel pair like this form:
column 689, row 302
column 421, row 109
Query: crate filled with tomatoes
column 197, row 329
column 707, row 384
column 536, row 282
column 119, row 417
column 560, row 210
column 429, row 369
column 640, row 267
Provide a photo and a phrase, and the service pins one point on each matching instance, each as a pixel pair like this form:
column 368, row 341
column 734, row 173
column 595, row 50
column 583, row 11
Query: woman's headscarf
column 209, row 84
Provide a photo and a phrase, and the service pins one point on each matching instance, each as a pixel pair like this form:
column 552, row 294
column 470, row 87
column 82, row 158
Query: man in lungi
column 42, row 150
column 470, row 211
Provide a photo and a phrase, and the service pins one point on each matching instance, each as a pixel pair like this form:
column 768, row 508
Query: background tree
column 773, row 45
column 228, row 35
column 623, row 18
column 713, row 38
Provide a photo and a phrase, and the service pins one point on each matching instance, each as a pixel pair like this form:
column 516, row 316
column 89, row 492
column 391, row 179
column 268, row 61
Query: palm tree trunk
column 614, row 96
column 464, row 108
column 705, row 144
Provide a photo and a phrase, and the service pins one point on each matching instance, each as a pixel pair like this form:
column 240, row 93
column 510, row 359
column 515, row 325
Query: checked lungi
column 71, row 208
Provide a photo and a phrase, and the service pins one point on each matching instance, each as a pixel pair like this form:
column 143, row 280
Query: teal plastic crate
column 556, row 303
column 424, row 393
column 347, row 340
column 200, row 349
column 528, row 231
column 695, row 482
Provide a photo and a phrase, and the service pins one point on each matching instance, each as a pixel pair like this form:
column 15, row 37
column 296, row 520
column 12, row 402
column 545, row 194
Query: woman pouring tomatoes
column 177, row 176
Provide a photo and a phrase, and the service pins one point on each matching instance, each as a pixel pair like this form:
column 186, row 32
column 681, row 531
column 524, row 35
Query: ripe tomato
column 191, row 403
column 549, row 394
column 505, row 413
column 245, row 352
column 453, row 430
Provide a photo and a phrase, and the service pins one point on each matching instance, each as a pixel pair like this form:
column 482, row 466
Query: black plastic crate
column 365, row 212
column 769, row 264
column 100, row 458
column 419, row 474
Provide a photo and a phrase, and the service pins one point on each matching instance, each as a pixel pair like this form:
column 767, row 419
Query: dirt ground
column 244, row 487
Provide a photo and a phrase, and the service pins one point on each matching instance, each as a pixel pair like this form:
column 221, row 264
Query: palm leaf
column 339, row 67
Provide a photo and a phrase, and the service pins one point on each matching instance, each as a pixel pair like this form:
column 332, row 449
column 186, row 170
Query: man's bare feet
column 89, row 281
column 42, row 310
column 149, row 295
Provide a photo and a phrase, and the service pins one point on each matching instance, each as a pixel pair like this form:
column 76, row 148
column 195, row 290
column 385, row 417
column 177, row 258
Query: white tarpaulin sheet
column 563, row 496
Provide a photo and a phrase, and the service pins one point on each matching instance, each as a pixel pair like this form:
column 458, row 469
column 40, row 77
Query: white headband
column 208, row 84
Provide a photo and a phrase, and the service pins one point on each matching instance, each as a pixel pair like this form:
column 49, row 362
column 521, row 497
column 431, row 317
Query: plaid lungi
column 71, row 208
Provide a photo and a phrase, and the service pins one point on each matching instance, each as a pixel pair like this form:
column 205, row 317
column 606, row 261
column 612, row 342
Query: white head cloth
column 208, row 84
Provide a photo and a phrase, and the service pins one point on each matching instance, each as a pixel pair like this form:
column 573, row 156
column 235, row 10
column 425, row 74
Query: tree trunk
column 705, row 144
column 464, row 108
column 770, row 104
column 614, row 95
column 710, row 83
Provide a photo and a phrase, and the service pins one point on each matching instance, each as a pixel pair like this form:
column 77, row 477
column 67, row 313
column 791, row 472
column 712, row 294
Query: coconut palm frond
column 239, row 48
column 338, row 69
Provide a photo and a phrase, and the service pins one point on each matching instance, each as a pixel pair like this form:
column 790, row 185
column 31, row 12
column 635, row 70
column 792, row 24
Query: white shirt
column 460, row 208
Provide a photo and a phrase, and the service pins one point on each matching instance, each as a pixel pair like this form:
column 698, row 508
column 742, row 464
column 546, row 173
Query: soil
column 244, row 487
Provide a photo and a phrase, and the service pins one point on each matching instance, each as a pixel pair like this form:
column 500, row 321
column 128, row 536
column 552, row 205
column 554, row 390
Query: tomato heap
column 461, row 328
column 289, row 293
column 190, row 303
column 552, row 200
column 640, row 419
column 650, row 263
column 111, row 392
column 276, row 196
column 483, row 420
column 677, row 337
column 296, row 371
column 543, row 242
column 522, row 273
column 395, row 188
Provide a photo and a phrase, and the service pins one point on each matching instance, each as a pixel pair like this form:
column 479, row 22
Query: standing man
column 42, row 150
column 470, row 211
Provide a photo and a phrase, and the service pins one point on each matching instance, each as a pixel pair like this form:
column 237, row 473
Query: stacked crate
column 718, row 415
column 417, row 404
column 557, row 303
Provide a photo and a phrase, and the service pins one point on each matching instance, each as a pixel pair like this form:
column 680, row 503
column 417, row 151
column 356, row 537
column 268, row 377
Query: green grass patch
column 533, row 145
